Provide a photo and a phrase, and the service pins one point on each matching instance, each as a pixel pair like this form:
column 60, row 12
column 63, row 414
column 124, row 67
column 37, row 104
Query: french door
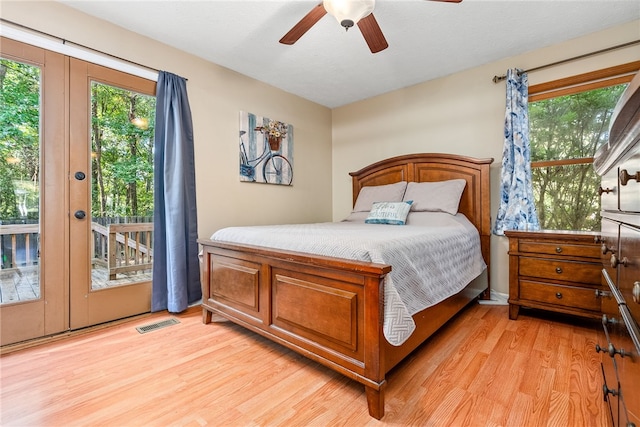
column 76, row 232
column 110, row 165
column 33, row 197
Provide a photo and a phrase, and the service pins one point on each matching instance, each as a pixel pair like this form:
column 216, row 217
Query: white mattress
column 433, row 257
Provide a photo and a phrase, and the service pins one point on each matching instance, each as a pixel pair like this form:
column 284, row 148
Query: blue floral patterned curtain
column 517, row 209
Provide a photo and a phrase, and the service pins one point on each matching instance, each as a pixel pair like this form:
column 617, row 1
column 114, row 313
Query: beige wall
column 216, row 97
column 462, row 113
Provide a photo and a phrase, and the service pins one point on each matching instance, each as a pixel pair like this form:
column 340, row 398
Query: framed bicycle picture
column 266, row 150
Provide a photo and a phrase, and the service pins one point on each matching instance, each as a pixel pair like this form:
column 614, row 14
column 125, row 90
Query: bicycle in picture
column 276, row 169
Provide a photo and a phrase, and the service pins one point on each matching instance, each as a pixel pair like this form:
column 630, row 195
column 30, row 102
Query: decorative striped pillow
column 394, row 213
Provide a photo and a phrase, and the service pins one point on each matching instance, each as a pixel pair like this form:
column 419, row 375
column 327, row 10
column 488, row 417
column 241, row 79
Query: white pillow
column 394, row 213
column 437, row 196
column 379, row 193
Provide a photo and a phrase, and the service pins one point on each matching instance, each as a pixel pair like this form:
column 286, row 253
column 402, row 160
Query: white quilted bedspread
column 429, row 262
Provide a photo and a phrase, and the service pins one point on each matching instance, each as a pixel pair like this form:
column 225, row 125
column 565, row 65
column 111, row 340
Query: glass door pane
column 122, row 124
column 19, row 182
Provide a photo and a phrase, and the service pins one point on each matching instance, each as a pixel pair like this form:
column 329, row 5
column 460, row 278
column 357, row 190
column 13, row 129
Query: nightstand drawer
column 566, row 296
column 570, row 271
column 560, row 249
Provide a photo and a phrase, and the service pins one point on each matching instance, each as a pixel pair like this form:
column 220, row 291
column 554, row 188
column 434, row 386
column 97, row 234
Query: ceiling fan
column 348, row 13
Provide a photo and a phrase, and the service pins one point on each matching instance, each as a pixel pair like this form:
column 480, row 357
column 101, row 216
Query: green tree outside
column 122, row 152
column 569, row 127
column 19, row 140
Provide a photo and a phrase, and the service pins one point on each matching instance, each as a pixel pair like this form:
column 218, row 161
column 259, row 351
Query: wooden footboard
column 327, row 309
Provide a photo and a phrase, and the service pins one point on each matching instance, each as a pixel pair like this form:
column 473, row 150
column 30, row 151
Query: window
column 568, row 121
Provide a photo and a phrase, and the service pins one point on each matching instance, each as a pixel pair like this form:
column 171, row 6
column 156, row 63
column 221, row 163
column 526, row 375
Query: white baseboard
column 497, row 298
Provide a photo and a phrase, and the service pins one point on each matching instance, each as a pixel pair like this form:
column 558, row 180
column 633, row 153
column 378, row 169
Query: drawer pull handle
column 635, row 292
column 604, row 190
column 558, row 250
column 606, row 391
column 625, row 177
column 600, row 293
column 559, row 270
column 616, row 262
column 605, row 321
column 611, row 350
column 604, row 248
column 559, row 295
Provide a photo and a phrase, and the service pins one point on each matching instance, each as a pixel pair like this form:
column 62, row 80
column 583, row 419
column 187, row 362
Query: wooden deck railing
column 119, row 247
column 123, row 247
column 22, row 246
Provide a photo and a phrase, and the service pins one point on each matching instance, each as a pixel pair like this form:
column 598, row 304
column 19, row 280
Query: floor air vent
column 157, row 325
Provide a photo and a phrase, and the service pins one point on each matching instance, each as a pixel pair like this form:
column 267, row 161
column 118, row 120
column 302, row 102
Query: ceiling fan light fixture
column 349, row 12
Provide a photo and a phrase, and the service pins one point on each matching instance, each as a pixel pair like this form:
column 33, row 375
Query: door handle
column 80, row 176
column 80, row 214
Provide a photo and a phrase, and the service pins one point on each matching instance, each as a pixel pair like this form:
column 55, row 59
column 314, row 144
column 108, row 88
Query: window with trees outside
column 568, row 121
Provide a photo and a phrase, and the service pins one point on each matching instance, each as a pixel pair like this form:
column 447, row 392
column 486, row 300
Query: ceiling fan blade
column 304, row 25
column 372, row 33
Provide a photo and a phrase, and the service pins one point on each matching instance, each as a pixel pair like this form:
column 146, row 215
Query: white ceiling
column 427, row 39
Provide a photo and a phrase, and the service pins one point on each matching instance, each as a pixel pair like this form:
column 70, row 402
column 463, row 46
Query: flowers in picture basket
column 274, row 129
column 274, row 132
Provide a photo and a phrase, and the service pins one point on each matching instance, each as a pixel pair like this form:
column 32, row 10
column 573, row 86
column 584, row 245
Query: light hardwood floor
column 482, row 369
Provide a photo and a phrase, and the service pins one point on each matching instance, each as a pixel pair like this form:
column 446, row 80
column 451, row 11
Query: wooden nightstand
column 555, row 270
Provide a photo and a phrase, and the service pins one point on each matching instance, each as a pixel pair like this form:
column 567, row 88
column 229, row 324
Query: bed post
column 374, row 357
column 204, row 279
column 485, row 219
column 375, row 400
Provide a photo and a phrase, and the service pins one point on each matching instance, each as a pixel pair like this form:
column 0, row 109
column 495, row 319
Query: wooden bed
column 329, row 309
